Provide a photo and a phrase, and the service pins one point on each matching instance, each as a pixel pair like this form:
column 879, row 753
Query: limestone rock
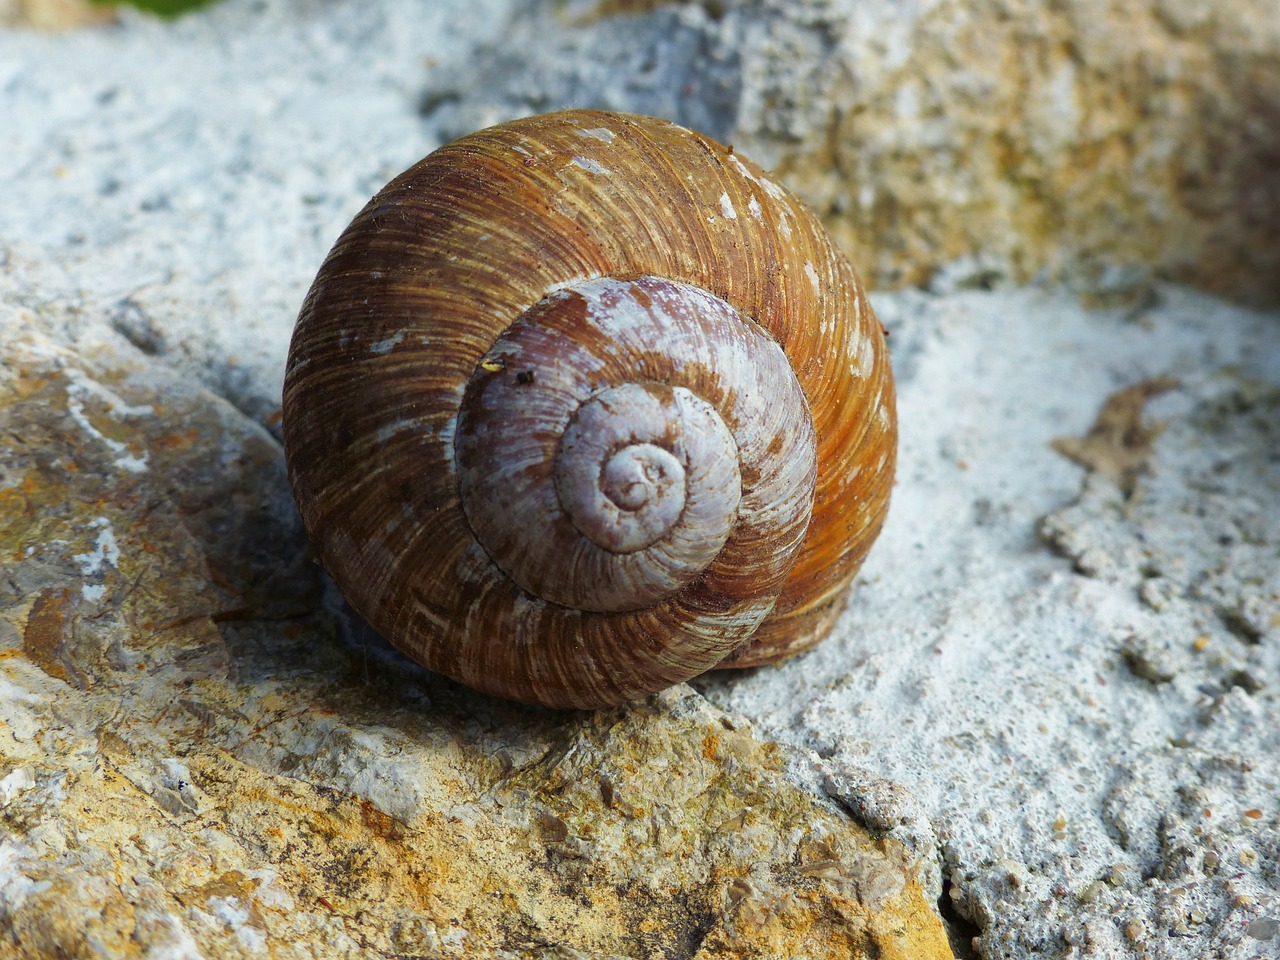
column 200, row 756
column 52, row 14
column 1201, row 536
column 1092, row 739
column 954, row 142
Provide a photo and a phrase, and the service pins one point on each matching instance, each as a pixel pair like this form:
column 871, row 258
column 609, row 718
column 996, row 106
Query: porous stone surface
column 195, row 760
column 1053, row 694
column 1074, row 674
column 1096, row 141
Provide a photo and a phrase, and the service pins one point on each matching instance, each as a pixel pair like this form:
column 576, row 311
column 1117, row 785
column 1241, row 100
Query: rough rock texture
column 52, row 14
column 1096, row 140
column 193, row 761
column 1197, row 545
column 1060, row 701
column 1079, row 685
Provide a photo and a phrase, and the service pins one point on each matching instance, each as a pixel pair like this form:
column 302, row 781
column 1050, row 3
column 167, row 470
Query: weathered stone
column 53, row 14
column 1205, row 530
column 199, row 757
column 953, row 142
column 1078, row 809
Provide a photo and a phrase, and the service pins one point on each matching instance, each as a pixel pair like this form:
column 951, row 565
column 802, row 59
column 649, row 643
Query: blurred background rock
column 1103, row 143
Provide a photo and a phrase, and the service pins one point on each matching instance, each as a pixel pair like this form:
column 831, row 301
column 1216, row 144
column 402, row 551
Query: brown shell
column 408, row 310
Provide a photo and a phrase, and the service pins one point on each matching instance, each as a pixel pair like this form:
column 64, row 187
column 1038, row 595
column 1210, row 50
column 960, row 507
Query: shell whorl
column 568, row 412
column 602, row 445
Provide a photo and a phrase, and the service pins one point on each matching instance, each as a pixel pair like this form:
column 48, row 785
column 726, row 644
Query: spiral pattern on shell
column 585, row 404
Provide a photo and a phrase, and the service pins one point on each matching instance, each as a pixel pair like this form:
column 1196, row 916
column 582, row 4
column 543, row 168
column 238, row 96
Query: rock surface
column 1096, row 141
column 52, row 14
column 195, row 762
column 1056, row 700
column 1075, row 681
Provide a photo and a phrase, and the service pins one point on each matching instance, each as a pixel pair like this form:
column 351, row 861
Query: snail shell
column 585, row 404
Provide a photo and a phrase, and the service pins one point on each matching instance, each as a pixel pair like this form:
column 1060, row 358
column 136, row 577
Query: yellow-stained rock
column 1105, row 140
column 1105, row 143
column 196, row 760
column 53, row 15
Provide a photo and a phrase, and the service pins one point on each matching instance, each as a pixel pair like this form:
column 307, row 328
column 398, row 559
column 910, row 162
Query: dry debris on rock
column 1119, row 444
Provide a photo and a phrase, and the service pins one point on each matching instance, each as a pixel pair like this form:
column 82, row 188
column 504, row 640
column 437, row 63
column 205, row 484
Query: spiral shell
column 585, row 404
